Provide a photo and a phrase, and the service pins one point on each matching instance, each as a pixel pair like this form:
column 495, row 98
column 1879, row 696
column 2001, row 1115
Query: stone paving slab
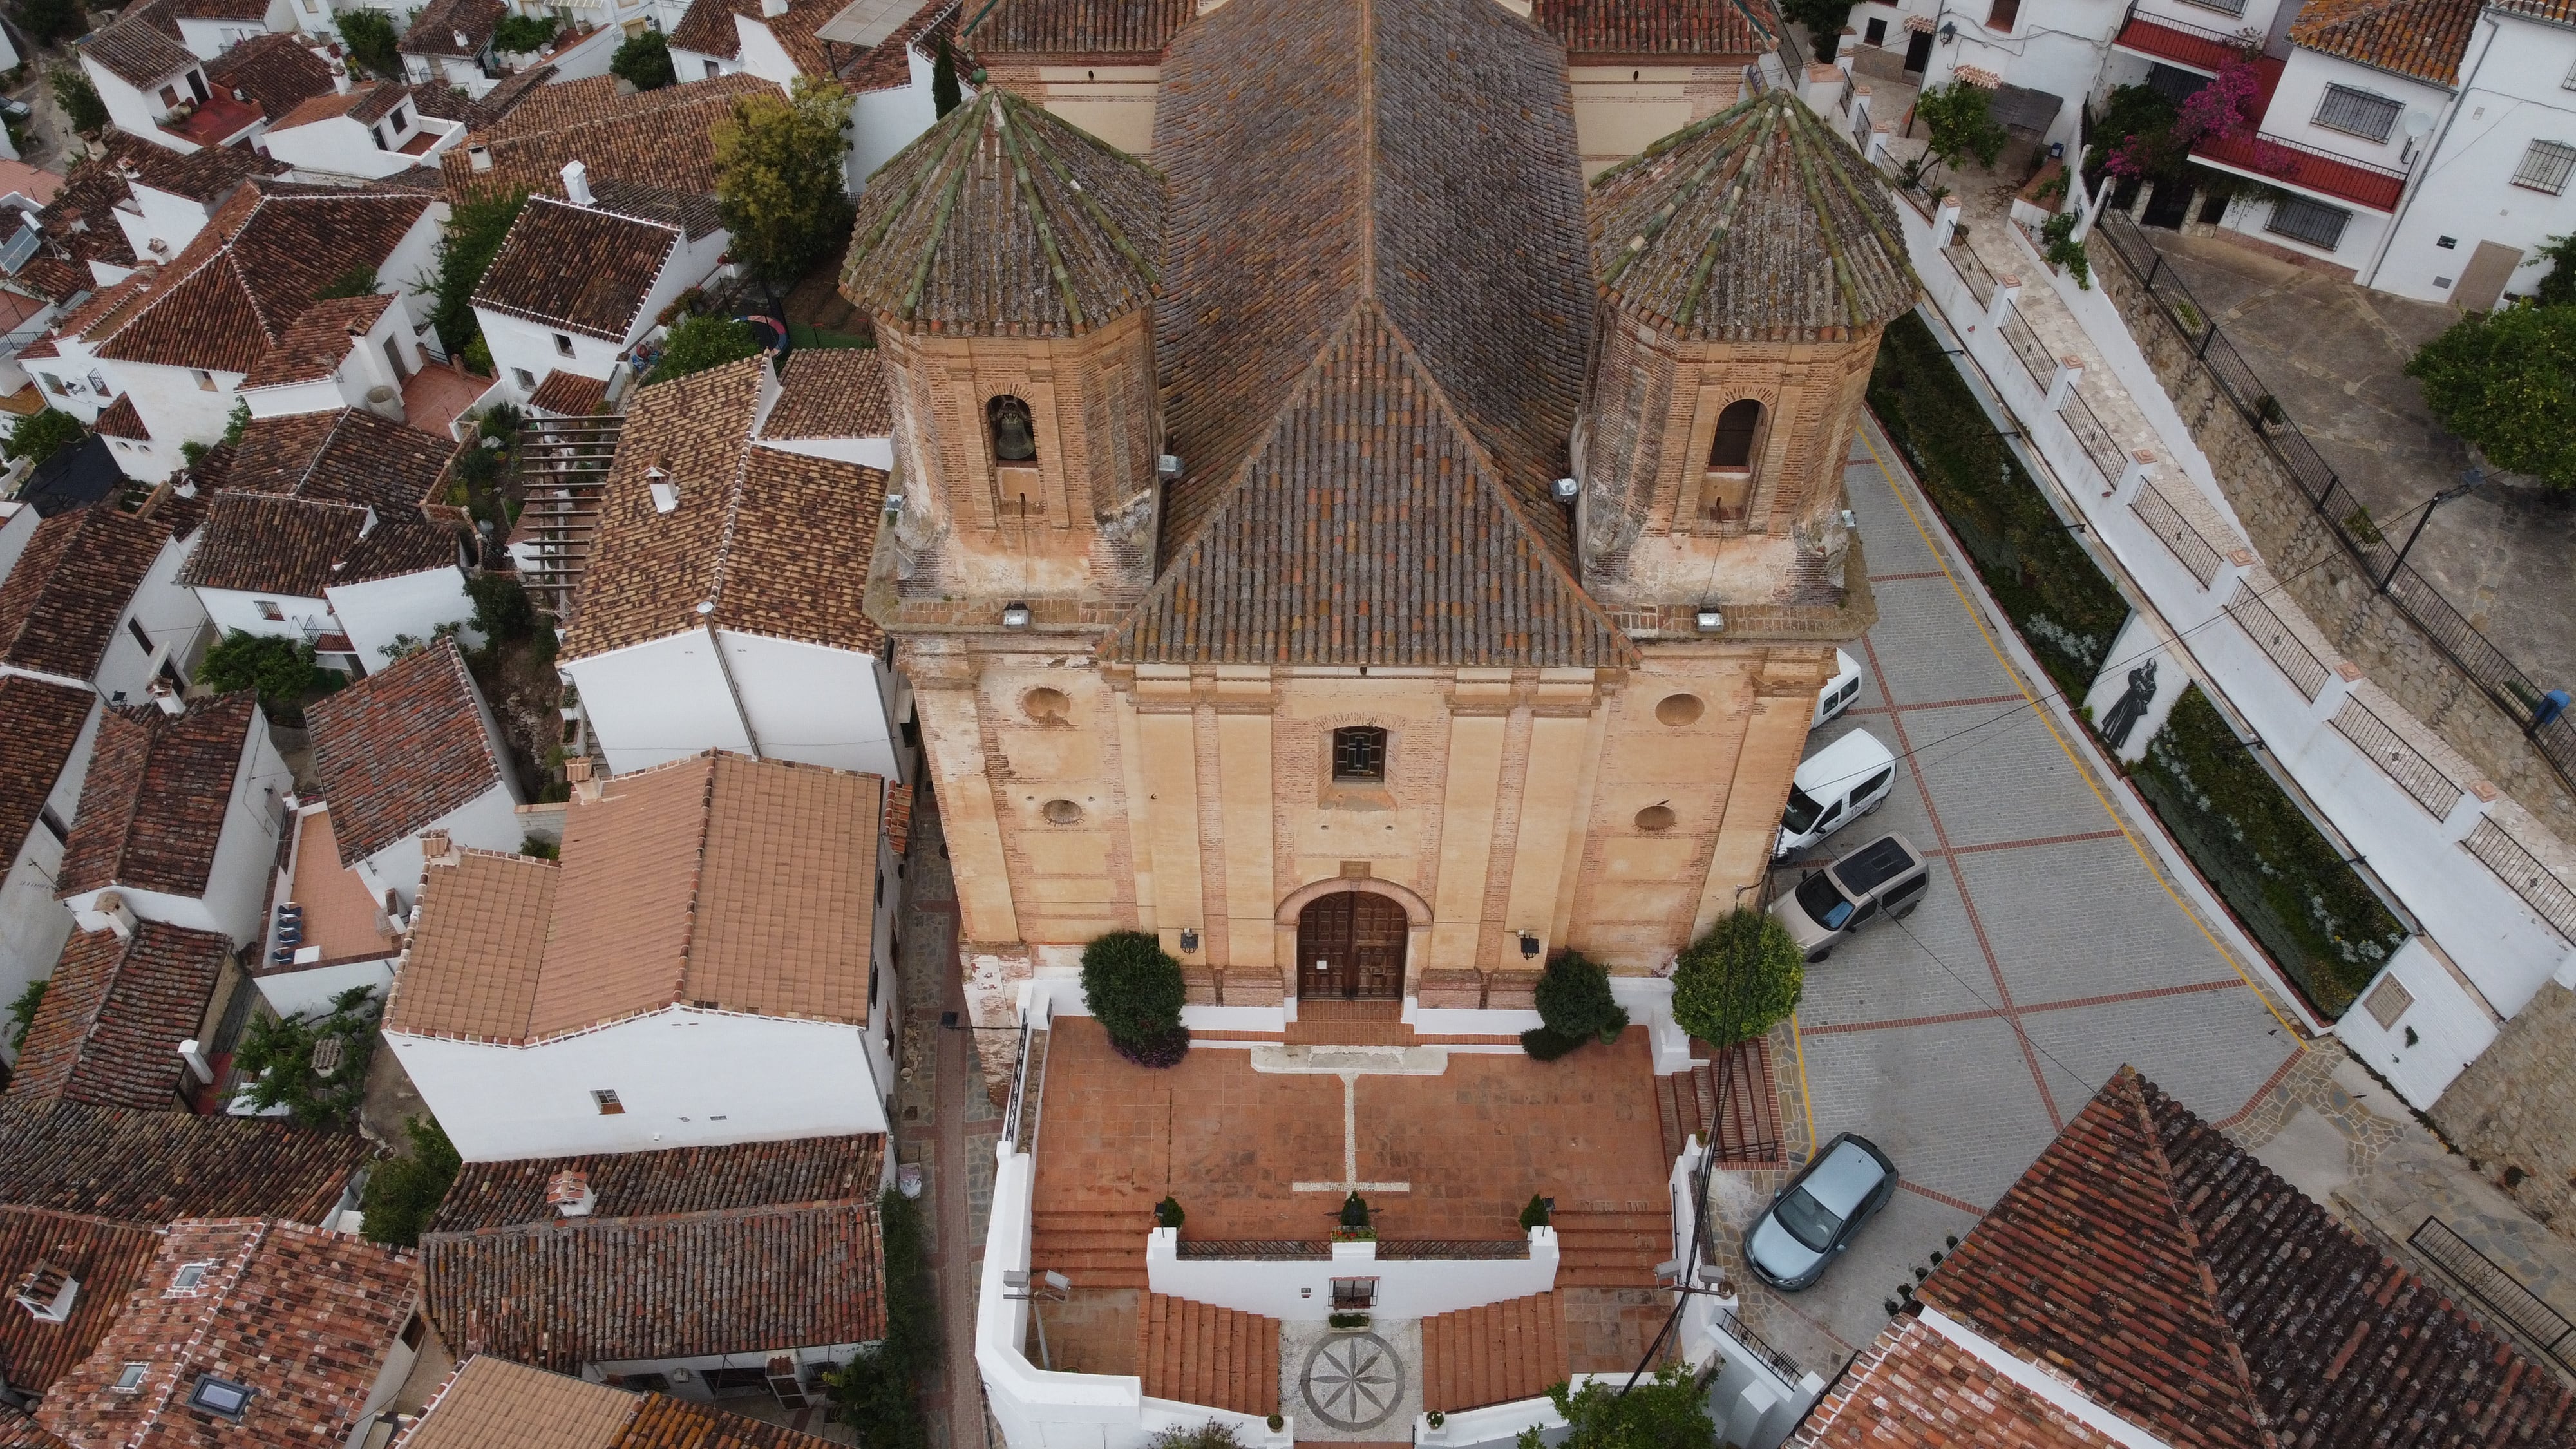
column 1885, row 975
column 1997, row 774
column 2063, row 923
column 1952, row 1103
column 1925, row 648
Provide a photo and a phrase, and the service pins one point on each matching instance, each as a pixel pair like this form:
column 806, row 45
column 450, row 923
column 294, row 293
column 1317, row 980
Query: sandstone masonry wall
column 2513, row 1110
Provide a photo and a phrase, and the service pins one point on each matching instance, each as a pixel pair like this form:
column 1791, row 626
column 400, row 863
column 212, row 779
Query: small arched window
column 1015, row 438
column 1359, row 754
column 1733, row 445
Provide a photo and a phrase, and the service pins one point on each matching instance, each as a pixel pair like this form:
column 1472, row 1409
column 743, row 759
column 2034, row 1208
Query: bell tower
column 1005, row 258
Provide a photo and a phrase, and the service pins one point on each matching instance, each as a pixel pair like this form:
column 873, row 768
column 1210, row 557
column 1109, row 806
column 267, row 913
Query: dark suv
column 1884, row 877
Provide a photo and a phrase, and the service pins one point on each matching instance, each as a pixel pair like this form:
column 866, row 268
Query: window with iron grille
column 2545, row 166
column 1359, row 753
column 2357, row 113
column 2313, row 222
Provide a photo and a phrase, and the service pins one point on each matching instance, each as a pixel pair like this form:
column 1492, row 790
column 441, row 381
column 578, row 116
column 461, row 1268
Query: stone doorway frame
column 1417, row 925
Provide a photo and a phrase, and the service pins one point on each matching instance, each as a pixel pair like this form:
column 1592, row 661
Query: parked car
column 1886, row 877
column 1839, row 691
column 1836, row 785
column 1815, row 1217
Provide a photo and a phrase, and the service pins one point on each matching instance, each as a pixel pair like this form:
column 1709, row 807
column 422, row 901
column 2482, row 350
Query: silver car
column 1813, row 1219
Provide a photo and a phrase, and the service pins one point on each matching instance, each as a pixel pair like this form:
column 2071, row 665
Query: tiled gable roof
column 677, row 1180
column 1738, row 28
column 104, row 1258
column 1915, row 1389
column 577, row 267
column 776, row 541
column 304, row 546
column 696, row 214
column 302, row 1317
column 1076, row 27
column 151, row 1168
column 489, row 1402
column 159, row 787
column 2424, row 39
column 208, row 174
column 831, row 392
column 277, row 72
column 108, row 1029
column 78, row 572
column 1004, row 220
column 79, row 226
column 400, row 748
column 348, row 456
column 138, row 52
column 122, row 420
column 1758, row 224
column 1373, row 313
column 314, row 346
column 434, row 30
column 570, row 395
column 663, row 138
column 40, row 726
column 2184, row 1286
column 2555, row 12
column 707, row 28
column 745, row 883
column 587, row 1290
column 17, row 1431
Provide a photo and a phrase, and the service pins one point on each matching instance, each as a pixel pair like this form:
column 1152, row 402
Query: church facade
column 1353, row 547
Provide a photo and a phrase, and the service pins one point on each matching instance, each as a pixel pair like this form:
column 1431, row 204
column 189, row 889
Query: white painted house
column 678, row 645
column 580, row 281
column 710, row 961
column 872, row 48
column 179, row 819
column 408, row 751
column 46, row 733
column 155, row 87
column 370, row 131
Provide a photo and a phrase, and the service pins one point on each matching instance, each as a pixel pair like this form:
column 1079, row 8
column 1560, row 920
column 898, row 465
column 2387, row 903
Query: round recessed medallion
column 1353, row 1381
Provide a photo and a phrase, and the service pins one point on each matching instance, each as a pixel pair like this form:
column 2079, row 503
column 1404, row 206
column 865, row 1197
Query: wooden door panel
column 1377, row 948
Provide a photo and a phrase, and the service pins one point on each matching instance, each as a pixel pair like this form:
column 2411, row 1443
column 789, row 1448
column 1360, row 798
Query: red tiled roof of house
column 400, row 748
column 78, row 225
column 40, row 726
column 831, row 392
column 1076, row 27
column 582, row 1290
column 434, row 30
column 108, row 1029
column 662, row 138
column 303, row 1318
column 103, row 1258
column 492, row 1403
column 34, row 183
column 277, row 72
column 138, row 52
column 570, row 395
column 1606, row 28
column 676, row 1180
column 581, row 268
column 708, row 29
column 1914, row 1389
column 887, row 65
column 2424, row 39
column 150, row 1168
column 159, row 789
column 17, row 1431
column 348, row 456
column 899, row 818
column 61, row 601
column 2185, row 1287
column 302, row 547
column 315, row 344
column 122, row 420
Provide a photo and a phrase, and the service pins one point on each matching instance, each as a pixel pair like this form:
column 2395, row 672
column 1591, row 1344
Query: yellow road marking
column 1976, row 617
column 1806, row 1094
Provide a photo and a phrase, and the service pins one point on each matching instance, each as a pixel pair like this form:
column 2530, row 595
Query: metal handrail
column 2491, row 1285
column 2028, row 350
column 1019, row 1090
column 2413, row 770
column 1725, row 1321
column 2186, row 542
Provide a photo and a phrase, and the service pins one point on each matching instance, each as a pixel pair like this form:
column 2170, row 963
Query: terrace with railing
column 2287, row 163
column 2178, row 42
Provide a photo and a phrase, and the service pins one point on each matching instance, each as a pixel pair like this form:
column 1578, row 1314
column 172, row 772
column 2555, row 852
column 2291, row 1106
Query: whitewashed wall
column 33, row 925
column 489, row 821
column 1302, row 1290
column 372, row 614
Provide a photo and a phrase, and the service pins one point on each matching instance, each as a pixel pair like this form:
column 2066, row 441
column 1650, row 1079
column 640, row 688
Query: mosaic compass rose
column 1353, row 1381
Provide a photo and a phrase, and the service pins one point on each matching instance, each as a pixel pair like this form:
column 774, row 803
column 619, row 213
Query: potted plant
column 1354, row 1225
column 1167, row 1213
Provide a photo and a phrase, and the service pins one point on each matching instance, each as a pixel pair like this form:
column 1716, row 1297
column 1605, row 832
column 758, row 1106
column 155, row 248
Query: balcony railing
column 2375, row 188
column 2179, row 42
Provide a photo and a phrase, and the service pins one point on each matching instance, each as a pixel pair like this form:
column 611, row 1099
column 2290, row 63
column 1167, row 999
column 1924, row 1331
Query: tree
column 643, row 60
column 524, row 34
column 501, row 608
column 944, row 93
column 281, row 670
column 1134, row 989
column 780, row 178
column 1956, row 115
column 40, row 435
column 1824, row 20
column 1739, row 980
column 315, row 1067
column 372, row 41
column 2558, row 287
column 1575, row 1003
column 698, row 343
column 875, row 1391
column 475, row 231
column 78, row 98
column 47, row 21
column 402, row 1193
column 238, row 421
column 1668, row 1411
column 22, row 1013
column 2506, row 381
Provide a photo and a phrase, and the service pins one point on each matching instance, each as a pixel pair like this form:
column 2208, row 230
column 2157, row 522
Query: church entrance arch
column 1350, row 947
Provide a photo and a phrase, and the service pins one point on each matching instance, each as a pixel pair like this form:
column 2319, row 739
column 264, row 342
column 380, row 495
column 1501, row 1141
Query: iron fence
column 2279, row 642
column 2432, row 787
column 2498, row 1290
column 1972, row 270
column 2033, row 354
column 1725, row 1321
column 2515, row 865
column 2441, row 622
column 2187, row 543
column 1012, row 1125
column 2100, row 448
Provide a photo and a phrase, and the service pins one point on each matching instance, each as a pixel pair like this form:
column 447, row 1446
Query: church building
column 1352, row 546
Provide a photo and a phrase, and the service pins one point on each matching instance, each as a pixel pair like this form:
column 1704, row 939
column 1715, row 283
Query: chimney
column 166, row 697
column 193, row 1052
column 576, row 179
column 585, row 790
column 48, row 1292
column 666, row 494
column 108, row 912
column 479, row 156
column 568, row 1192
column 436, row 848
column 772, row 9
column 462, row 43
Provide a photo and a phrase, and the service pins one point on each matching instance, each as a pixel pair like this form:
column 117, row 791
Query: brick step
column 1198, row 1353
column 1103, row 1241
column 1592, row 1277
column 1493, row 1354
column 1686, row 1104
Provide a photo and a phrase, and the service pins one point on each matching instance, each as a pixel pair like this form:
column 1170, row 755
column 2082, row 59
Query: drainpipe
column 732, row 691
column 2424, row 163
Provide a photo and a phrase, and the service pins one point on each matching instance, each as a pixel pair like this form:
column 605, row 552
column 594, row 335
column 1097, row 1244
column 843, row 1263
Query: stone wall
column 2324, row 580
column 2512, row 1113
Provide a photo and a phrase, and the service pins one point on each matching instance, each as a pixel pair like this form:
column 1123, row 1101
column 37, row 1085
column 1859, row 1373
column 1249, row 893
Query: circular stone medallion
column 1353, row 1381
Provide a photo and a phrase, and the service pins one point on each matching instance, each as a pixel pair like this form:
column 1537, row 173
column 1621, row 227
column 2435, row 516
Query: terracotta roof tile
column 2420, row 38
column 749, row 884
column 777, row 541
column 888, row 64
column 661, row 138
column 1914, row 1389
column 400, row 748
column 277, row 72
column 303, row 1318
column 138, row 52
column 108, row 1029
column 587, row 1290
column 40, row 726
column 159, row 790
column 2184, row 1286
column 570, row 395
column 678, row 1180
column 1734, row 28
column 60, row 602
column 348, row 456
column 17, row 1431
column 434, row 30
column 303, row 546
column 1003, row 220
column 316, row 343
column 707, row 27
column 104, row 1258
column 1077, row 27
column 122, row 420
column 582, row 268
column 831, row 392
column 1760, row 223
column 151, row 1168
column 492, row 1403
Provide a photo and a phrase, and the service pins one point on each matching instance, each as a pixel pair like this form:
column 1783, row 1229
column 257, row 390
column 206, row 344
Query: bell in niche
column 1012, row 440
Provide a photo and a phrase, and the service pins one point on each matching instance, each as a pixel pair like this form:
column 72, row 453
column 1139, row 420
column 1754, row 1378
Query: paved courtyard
column 2048, row 952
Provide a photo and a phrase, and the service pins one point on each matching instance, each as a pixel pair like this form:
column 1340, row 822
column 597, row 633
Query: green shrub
column 2066, row 610
column 78, row 98
column 1668, row 1411
column 1211, row 1435
column 372, row 41
column 1134, row 990
column 874, row 1391
column 1168, row 1214
column 357, row 281
column 698, row 343
column 501, row 608
column 278, row 1055
column 39, row 435
column 1574, row 1000
column 475, row 231
column 47, row 21
column 2506, row 381
column 1545, row 1044
column 2283, row 879
column 524, row 34
column 403, row 1193
column 238, row 421
column 1535, row 1215
column 22, row 1013
column 643, row 60
column 1739, row 980
column 282, row 671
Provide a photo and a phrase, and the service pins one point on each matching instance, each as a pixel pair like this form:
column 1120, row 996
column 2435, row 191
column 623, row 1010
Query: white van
column 1839, row 691
column 1837, row 785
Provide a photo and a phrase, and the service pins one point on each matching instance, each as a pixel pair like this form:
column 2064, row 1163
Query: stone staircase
column 1094, row 1249
column 1494, row 1354
column 1747, row 1131
column 1610, row 1249
column 1198, row 1353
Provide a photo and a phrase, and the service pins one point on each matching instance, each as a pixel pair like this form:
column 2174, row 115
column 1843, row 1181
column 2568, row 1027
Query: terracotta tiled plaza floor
column 1474, row 1142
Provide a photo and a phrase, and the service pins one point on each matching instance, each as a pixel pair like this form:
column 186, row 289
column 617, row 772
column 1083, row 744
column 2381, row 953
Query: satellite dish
column 2418, row 125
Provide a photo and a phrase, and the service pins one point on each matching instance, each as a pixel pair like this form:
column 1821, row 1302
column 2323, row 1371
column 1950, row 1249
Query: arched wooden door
column 1350, row 944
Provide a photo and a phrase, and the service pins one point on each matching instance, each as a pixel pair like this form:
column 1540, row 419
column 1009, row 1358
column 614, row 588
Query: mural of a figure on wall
column 2132, row 706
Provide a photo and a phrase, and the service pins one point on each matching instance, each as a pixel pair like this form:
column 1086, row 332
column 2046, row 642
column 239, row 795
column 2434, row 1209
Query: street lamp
column 2468, row 482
